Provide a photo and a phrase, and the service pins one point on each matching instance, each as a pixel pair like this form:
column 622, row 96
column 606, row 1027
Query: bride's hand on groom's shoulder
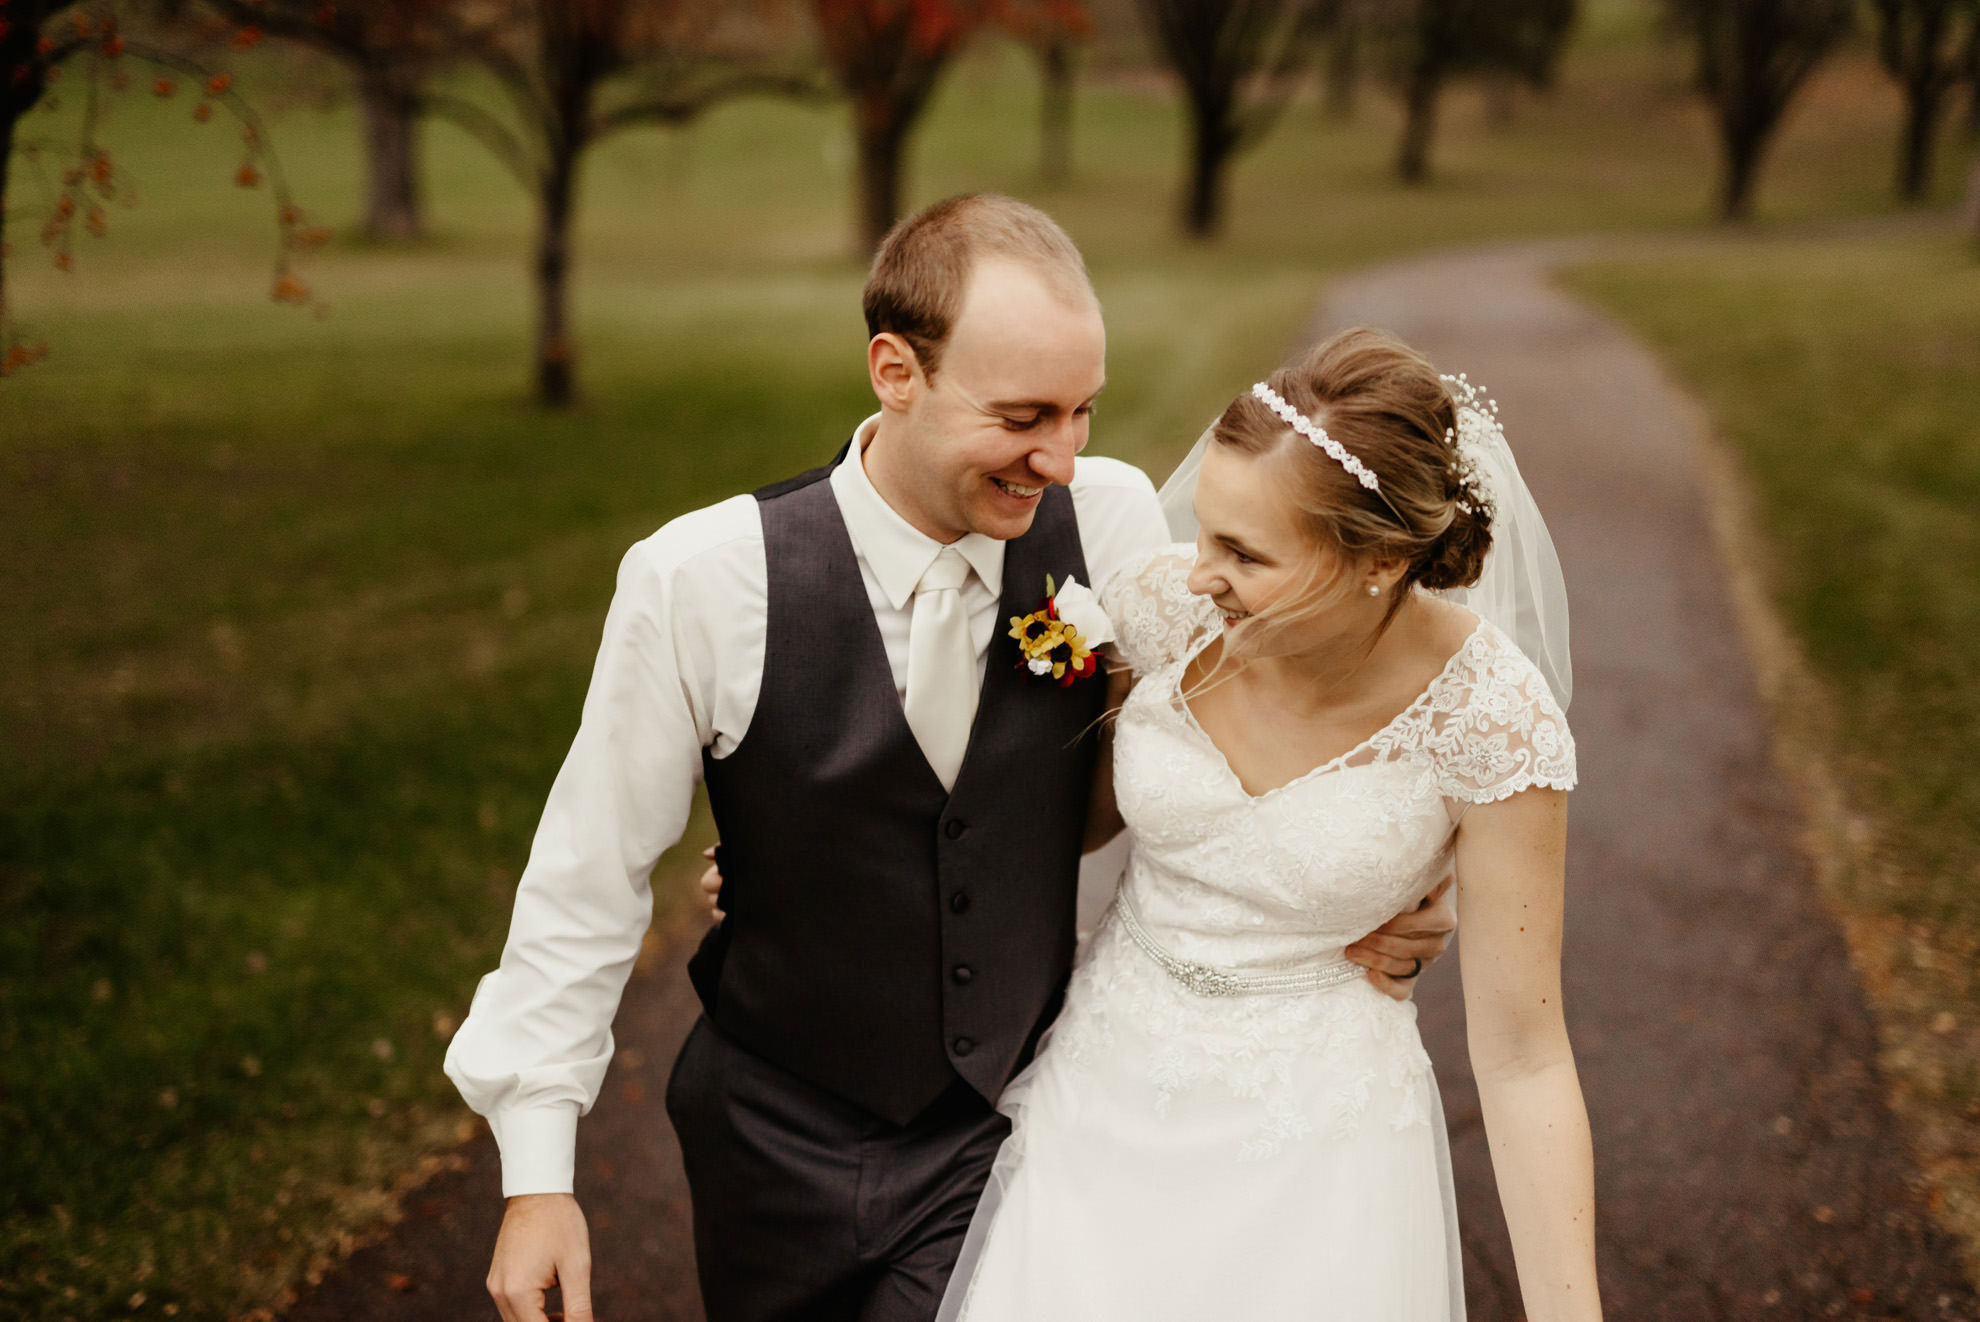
column 543, row 1242
column 1412, row 941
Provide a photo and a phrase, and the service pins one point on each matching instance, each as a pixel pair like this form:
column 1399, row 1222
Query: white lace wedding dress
column 1269, row 1156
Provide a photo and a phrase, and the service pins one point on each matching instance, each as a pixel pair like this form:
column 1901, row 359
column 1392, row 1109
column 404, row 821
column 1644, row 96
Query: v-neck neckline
column 1181, row 704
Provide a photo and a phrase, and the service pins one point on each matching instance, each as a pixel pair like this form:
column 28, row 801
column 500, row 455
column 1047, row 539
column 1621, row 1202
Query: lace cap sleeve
column 1499, row 729
column 1155, row 616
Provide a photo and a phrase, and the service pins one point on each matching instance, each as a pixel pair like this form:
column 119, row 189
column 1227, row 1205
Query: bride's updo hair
column 1384, row 402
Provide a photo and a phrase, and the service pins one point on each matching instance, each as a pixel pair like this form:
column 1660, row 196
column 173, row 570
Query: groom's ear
column 894, row 371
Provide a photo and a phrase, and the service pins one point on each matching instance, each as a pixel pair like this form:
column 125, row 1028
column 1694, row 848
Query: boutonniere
column 1057, row 639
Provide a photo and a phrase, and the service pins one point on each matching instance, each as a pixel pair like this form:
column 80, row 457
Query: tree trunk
column 390, row 100
column 881, row 135
column 1973, row 82
column 7, row 121
column 1419, row 128
column 1343, row 70
column 556, row 377
column 1920, row 135
column 1210, row 154
column 17, row 97
column 1055, row 114
column 1741, row 169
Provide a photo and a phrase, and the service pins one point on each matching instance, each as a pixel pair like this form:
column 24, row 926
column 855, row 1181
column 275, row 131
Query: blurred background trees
column 574, row 72
column 540, row 82
column 1238, row 61
column 887, row 56
column 391, row 49
column 42, row 40
column 1432, row 42
column 1752, row 57
column 1929, row 47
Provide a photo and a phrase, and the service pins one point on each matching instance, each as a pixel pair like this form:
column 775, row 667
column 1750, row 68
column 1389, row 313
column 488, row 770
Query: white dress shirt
column 678, row 670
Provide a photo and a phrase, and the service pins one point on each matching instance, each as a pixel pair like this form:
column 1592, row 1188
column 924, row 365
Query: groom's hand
column 543, row 1242
column 1390, row 952
column 711, row 877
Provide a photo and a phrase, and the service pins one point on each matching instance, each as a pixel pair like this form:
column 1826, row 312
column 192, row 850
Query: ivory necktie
column 941, row 686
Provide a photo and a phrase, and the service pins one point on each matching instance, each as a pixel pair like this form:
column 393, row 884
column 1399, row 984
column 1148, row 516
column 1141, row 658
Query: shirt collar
column 897, row 552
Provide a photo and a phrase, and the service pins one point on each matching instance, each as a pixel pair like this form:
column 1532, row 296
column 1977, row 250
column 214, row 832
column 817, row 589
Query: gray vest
column 884, row 936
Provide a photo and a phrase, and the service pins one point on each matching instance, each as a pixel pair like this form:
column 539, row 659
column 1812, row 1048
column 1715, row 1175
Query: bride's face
column 1256, row 557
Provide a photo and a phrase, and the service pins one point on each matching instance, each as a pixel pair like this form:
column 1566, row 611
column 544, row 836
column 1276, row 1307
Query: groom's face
column 1009, row 406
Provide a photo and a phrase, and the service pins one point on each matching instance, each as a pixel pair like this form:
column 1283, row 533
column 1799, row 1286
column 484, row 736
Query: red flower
column 1079, row 670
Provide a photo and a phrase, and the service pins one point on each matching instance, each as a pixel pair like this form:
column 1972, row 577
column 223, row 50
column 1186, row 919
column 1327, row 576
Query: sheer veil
column 1521, row 589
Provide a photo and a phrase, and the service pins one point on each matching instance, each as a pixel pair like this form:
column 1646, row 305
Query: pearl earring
column 1374, row 590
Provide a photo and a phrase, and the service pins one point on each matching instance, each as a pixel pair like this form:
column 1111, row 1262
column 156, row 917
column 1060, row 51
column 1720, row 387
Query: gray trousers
column 809, row 1209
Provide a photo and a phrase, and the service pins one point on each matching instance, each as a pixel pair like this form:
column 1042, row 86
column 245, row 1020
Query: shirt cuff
column 539, row 1148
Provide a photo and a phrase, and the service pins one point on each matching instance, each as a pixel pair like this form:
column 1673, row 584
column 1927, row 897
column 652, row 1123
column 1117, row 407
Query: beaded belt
column 1208, row 980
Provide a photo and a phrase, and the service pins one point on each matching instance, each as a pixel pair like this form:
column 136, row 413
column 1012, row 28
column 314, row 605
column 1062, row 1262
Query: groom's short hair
column 915, row 288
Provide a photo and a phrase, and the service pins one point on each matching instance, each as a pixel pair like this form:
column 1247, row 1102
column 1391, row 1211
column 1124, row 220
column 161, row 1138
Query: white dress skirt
column 1270, row 1155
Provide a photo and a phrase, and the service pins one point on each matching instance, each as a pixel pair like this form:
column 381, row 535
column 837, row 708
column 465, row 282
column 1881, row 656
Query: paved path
column 1747, row 1168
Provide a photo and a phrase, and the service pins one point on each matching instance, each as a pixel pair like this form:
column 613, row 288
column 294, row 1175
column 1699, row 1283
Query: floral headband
column 1476, row 422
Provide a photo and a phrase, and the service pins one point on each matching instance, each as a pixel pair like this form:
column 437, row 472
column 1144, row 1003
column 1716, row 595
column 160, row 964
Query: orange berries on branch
column 203, row 112
column 163, row 87
column 246, row 37
column 218, row 84
column 247, row 176
column 288, row 289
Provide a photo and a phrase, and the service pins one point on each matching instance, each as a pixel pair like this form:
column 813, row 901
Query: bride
column 1227, row 1120
column 1321, row 713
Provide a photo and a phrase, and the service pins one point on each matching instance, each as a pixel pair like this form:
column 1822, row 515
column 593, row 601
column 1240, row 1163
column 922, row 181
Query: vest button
column 964, row 1045
column 954, row 827
column 959, row 902
column 962, row 975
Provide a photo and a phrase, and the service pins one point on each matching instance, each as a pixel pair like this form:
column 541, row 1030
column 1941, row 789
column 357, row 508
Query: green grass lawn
column 298, row 611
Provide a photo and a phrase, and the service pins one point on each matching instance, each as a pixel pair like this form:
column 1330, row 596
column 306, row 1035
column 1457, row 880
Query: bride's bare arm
column 1103, row 814
column 1510, row 866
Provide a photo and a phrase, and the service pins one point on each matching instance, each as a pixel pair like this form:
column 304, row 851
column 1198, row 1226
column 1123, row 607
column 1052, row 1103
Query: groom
column 900, row 802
